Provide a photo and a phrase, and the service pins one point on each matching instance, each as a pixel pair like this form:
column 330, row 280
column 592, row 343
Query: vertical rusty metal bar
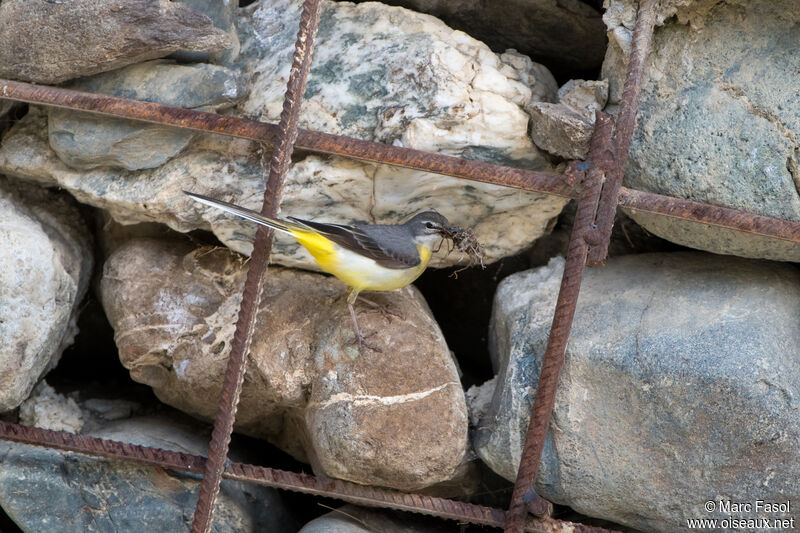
column 251, row 296
column 600, row 159
column 623, row 132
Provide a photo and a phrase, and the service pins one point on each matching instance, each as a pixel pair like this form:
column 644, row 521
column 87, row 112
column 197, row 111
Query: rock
column 396, row 418
column 50, row 410
column 584, row 96
column 352, row 519
column 51, row 42
column 44, row 273
column 407, row 79
column 565, row 129
column 223, row 15
column 559, row 130
column 680, row 376
column 567, row 34
column 48, row 490
column 719, row 120
column 86, row 141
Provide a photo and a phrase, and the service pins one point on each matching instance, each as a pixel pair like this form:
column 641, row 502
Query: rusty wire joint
column 596, row 183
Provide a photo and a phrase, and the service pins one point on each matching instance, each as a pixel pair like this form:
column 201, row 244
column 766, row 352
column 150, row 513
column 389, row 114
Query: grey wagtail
column 367, row 257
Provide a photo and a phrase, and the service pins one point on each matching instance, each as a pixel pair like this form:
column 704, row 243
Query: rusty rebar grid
column 414, row 159
column 542, row 182
column 262, row 247
column 600, row 160
column 280, row 479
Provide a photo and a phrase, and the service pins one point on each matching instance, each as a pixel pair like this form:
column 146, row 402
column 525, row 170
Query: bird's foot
column 385, row 311
column 361, row 340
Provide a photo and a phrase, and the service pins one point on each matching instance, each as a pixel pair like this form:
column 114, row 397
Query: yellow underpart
column 321, row 248
column 359, row 272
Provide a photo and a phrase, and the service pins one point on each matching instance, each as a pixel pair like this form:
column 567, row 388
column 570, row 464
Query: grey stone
column 584, row 96
column 719, row 118
column 564, row 33
column 223, row 13
column 407, row 79
column 51, row 42
column 86, row 141
column 49, row 490
column 352, row 519
column 44, row 273
column 394, row 418
column 680, row 386
column 565, row 129
column 559, row 130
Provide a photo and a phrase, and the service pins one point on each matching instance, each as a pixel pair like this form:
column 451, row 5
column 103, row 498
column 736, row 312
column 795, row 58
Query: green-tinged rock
column 86, row 141
column 49, row 490
column 680, row 387
column 719, row 118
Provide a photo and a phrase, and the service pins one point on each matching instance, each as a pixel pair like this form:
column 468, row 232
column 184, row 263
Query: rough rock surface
column 406, row 79
column 559, row 130
column 564, row 33
column 719, row 120
column 681, row 363
column 51, row 42
column 565, row 129
column 86, row 141
column 44, row 273
column 49, row 490
column 352, row 519
column 47, row 409
column 396, row 418
column 224, row 15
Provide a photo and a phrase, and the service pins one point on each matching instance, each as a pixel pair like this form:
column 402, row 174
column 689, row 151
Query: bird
column 366, row 257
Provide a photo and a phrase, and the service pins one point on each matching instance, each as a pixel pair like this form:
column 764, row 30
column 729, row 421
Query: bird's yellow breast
column 358, row 271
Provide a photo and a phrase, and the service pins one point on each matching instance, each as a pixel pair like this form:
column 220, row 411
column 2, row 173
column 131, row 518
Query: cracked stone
column 719, row 118
column 682, row 363
column 396, row 418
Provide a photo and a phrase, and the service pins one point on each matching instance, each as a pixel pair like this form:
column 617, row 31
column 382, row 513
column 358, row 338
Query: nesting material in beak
column 465, row 241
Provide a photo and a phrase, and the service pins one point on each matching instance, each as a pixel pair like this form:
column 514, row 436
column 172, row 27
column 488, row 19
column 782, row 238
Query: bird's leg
column 386, row 311
column 352, row 295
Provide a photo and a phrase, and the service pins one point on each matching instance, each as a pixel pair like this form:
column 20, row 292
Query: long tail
column 248, row 214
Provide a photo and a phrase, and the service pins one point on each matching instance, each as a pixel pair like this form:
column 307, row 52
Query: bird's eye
column 429, row 225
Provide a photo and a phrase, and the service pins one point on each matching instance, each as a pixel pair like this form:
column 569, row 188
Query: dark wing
column 389, row 246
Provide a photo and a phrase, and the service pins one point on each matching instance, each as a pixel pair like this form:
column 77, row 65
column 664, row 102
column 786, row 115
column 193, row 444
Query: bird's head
column 428, row 228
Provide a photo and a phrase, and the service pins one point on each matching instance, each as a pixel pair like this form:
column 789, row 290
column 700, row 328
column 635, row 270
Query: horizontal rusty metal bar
column 281, row 479
column 543, row 182
column 698, row 212
column 529, row 180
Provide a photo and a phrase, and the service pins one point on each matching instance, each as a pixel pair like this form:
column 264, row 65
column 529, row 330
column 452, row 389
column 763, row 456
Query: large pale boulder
column 44, row 272
column 406, row 79
column 680, row 387
column 719, row 118
column 51, row 42
column 395, row 418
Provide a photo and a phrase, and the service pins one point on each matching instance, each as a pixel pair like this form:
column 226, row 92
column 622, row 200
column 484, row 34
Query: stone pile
column 681, row 380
